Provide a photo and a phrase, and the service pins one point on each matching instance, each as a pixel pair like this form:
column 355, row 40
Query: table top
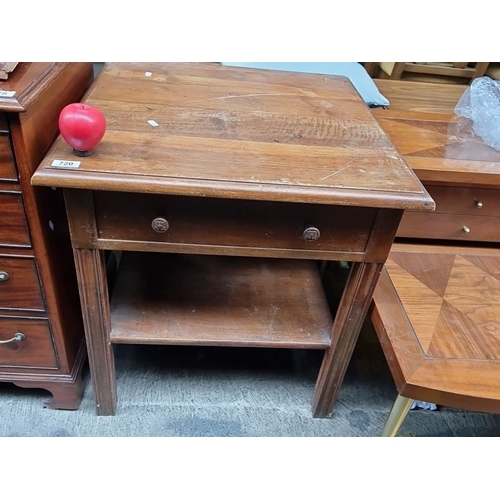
column 442, row 147
column 440, row 310
column 24, row 82
column 422, row 97
column 237, row 133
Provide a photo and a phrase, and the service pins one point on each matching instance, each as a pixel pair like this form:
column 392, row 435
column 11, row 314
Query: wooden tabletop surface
column 422, row 97
column 237, row 133
column 440, row 146
column 436, row 310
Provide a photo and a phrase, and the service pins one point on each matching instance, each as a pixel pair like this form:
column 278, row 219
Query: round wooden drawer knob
column 311, row 233
column 4, row 276
column 466, row 229
column 159, row 225
column 479, row 204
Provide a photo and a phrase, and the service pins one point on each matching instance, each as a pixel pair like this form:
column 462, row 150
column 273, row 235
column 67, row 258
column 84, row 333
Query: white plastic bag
column 480, row 103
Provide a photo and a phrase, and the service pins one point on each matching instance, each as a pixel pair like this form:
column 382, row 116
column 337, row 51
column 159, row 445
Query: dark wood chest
column 41, row 328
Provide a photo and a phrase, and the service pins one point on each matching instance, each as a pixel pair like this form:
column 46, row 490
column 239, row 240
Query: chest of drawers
column 41, row 329
column 459, row 171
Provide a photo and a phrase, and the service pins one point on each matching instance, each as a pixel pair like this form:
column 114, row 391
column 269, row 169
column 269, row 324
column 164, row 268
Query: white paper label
column 152, row 123
column 65, row 164
column 148, row 73
column 7, row 93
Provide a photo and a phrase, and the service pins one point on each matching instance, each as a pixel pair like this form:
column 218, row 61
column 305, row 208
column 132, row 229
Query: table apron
column 286, row 253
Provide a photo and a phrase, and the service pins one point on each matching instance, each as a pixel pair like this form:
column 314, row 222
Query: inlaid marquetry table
column 225, row 188
column 436, row 312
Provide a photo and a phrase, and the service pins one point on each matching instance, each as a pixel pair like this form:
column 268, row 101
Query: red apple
column 82, row 126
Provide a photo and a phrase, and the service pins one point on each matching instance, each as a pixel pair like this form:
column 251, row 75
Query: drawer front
column 467, row 201
column 35, row 351
column 449, row 227
column 13, row 229
column 7, row 168
column 19, row 285
column 232, row 223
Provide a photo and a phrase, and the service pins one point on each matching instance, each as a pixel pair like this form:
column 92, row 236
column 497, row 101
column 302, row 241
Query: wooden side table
column 224, row 187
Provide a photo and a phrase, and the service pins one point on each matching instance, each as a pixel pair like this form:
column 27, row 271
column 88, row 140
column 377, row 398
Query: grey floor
column 191, row 391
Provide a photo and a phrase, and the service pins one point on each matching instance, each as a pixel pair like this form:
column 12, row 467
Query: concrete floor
column 192, row 391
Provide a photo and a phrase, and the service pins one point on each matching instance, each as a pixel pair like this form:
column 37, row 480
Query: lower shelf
column 225, row 301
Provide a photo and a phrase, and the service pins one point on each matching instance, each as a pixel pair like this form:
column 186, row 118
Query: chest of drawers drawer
column 33, row 350
column 19, row 285
column 7, row 168
column 450, row 227
column 464, row 214
column 177, row 220
column 13, row 229
column 465, row 201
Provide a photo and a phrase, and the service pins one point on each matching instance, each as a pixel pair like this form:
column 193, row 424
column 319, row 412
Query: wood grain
column 22, row 290
column 36, row 351
column 33, row 132
column 436, row 313
column 458, row 170
column 34, row 231
column 13, row 230
column 92, row 283
column 223, row 301
column 352, row 310
column 238, row 133
column 27, row 80
column 474, row 228
column 419, row 96
column 7, row 167
column 442, row 148
column 272, row 227
column 241, row 161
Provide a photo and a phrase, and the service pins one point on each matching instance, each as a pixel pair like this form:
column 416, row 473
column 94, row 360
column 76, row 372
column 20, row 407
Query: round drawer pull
column 4, row 276
column 479, row 204
column 18, row 337
column 466, row 229
column 159, row 225
column 311, row 233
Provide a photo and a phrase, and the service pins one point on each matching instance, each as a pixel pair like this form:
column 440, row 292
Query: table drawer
column 13, row 229
column 232, row 223
column 19, row 285
column 449, row 227
column 34, row 351
column 7, row 168
column 470, row 201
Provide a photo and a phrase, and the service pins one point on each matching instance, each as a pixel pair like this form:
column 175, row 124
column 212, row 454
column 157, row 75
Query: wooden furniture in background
column 423, row 97
column 248, row 178
column 457, row 168
column 397, row 70
column 6, row 68
column 437, row 314
column 39, row 303
column 436, row 306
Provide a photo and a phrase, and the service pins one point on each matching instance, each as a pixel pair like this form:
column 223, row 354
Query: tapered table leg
column 93, row 287
column 399, row 410
column 348, row 321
